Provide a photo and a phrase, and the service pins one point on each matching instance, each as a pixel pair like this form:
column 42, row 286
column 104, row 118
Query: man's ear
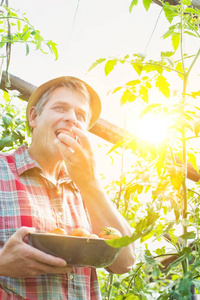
column 32, row 117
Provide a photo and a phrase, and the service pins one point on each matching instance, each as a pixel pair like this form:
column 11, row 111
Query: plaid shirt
column 27, row 198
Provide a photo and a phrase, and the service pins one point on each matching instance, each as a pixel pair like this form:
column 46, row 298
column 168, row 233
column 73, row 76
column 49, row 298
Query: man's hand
column 78, row 157
column 18, row 259
column 80, row 164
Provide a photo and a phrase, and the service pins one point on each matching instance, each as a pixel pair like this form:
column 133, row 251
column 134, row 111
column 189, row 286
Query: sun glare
column 153, row 129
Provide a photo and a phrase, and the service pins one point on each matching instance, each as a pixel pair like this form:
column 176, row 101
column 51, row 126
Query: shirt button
column 71, row 276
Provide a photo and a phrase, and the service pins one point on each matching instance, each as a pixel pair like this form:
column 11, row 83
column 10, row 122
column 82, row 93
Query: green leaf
column 130, row 297
column 182, row 122
column 133, row 82
column 26, row 35
column 188, row 236
column 19, row 121
column 175, row 41
column 138, row 283
column 190, row 10
column 117, row 89
column 144, row 93
column 149, row 109
column 109, row 66
column 97, row 62
column 176, row 176
column 139, row 188
column 170, row 61
column 192, row 159
column 146, row 237
column 128, row 96
column 122, row 242
column 147, row 4
column 148, row 84
column 197, row 128
column 196, row 282
column 149, row 258
column 169, row 13
column 191, row 33
column 167, row 53
column 163, row 85
column 117, row 145
column 18, row 25
column 195, row 94
column 187, row 2
column 133, row 3
column 27, row 49
column 6, row 141
column 137, row 67
column 168, row 33
column 185, row 287
column 7, row 120
column 138, row 233
column 53, row 48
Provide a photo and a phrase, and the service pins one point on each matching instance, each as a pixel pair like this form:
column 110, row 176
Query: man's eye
column 81, row 117
column 60, row 108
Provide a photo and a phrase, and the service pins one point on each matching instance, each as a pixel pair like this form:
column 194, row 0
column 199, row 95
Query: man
column 39, row 192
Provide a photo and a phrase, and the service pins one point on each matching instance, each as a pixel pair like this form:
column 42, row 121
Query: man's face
column 64, row 109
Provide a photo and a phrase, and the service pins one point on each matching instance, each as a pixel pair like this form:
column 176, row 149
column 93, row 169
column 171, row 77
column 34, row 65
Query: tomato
column 80, row 232
column 59, row 231
column 109, row 233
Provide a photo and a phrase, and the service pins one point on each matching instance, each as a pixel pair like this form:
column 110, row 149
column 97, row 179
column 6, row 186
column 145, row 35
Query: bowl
column 76, row 251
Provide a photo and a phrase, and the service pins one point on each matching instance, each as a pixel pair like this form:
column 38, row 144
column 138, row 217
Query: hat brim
column 95, row 102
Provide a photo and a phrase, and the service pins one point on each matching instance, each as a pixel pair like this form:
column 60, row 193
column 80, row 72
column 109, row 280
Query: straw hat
column 95, row 102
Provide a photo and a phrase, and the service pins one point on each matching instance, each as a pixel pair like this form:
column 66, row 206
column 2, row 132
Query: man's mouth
column 67, row 132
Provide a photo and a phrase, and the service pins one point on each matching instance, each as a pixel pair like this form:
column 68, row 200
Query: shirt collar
column 24, row 163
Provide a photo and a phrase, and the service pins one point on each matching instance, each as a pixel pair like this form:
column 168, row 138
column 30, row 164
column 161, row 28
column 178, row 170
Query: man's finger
column 64, row 150
column 83, row 138
column 45, row 258
column 22, row 232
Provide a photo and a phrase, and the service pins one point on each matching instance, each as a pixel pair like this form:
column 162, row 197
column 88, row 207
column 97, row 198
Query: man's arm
column 80, row 164
column 103, row 213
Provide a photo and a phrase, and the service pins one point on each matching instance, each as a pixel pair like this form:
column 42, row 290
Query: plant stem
column 194, row 61
column 181, row 39
column 110, row 285
column 184, row 149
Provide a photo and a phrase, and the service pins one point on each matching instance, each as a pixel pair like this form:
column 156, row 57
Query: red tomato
column 59, row 231
column 80, row 232
column 109, row 233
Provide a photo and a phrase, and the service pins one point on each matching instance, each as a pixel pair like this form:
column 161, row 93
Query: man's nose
column 70, row 116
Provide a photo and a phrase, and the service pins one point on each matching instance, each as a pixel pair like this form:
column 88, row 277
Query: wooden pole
column 195, row 3
column 103, row 129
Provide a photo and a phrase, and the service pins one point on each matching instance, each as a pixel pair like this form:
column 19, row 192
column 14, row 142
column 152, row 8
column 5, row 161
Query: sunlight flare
column 153, row 129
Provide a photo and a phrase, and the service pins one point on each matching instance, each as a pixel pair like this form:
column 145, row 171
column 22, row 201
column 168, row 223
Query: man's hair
column 72, row 84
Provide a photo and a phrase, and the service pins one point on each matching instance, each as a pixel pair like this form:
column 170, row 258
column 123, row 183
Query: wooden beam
column 104, row 129
column 110, row 132
column 25, row 88
column 195, row 3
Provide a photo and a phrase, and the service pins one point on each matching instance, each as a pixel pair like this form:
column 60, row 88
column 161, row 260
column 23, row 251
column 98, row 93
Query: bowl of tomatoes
column 80, row 248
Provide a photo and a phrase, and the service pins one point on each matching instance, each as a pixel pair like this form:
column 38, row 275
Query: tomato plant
column 154, row 194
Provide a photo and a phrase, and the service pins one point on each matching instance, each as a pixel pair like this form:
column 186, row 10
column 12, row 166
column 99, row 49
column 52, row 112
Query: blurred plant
column 13, row 123
column 154, row 194
column 16, row 28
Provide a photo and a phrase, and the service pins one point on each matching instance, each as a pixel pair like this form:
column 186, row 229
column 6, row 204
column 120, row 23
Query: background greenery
column 153, row 195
